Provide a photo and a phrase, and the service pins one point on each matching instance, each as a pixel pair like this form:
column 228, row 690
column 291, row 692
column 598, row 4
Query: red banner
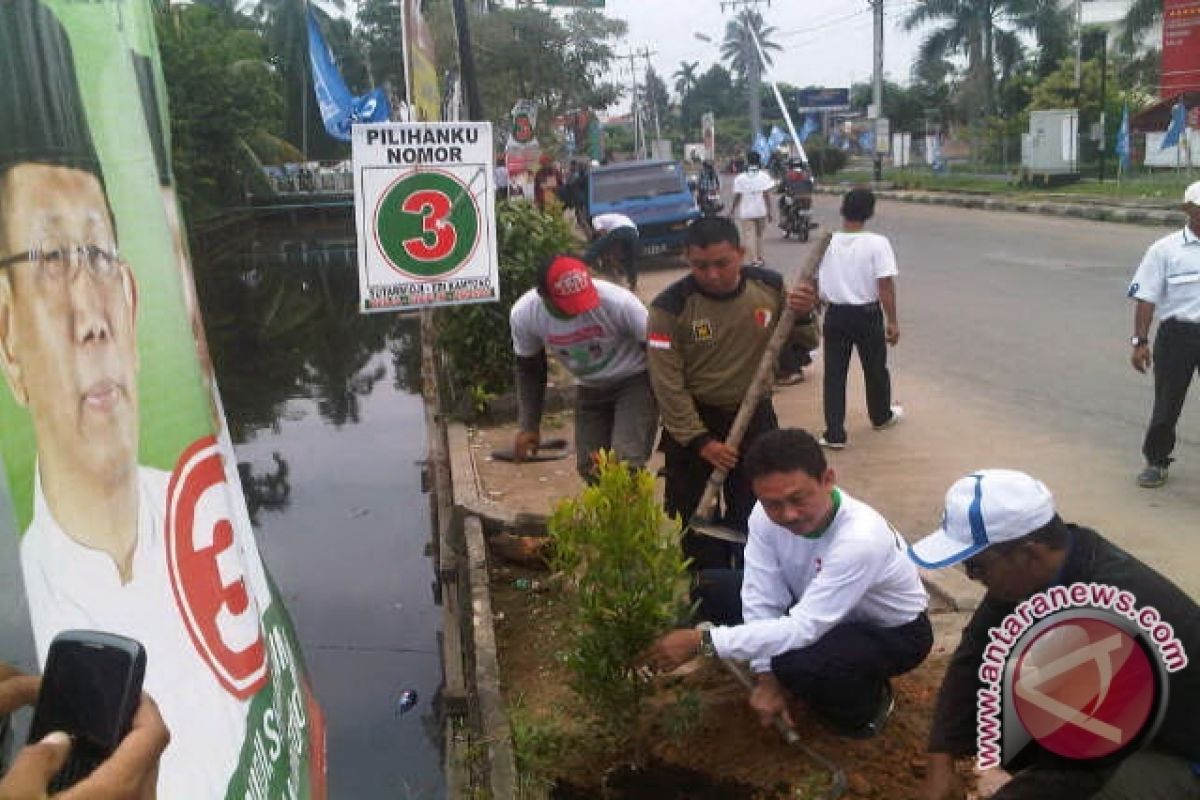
column 1180, row 47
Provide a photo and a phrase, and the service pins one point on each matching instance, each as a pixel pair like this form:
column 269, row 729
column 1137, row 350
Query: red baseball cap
column 569, row 286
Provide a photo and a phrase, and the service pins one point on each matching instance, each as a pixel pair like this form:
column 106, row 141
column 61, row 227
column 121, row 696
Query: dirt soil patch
column 724, row 745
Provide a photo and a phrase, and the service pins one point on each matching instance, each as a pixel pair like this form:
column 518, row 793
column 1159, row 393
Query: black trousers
column 623, row 241
column 847, row 328
column 687, row 473
column 841, row 675
column 1176, row 358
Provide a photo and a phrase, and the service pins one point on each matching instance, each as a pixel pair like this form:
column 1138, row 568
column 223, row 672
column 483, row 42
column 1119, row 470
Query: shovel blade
column 706, row 527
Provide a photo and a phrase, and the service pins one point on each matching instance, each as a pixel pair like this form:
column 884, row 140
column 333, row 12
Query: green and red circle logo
column 427, row 224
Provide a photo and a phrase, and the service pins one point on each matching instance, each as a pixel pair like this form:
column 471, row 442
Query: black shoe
column 874, row 726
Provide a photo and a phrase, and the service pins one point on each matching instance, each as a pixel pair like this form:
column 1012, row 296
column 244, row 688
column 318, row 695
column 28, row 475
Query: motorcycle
column 795, row 215
column 710, row 202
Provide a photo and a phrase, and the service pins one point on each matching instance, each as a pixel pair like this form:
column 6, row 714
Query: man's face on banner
column 67, row 304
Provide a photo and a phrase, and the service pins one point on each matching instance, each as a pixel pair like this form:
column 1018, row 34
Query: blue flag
column 808, row 128
column 1122, row 148
column 340, row 109
column 776, row 138
column 1178, row 121
column 762, row 148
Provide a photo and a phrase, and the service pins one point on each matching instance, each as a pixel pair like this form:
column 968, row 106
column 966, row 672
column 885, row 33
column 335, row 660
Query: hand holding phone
column 90, row 691
column 131, row 773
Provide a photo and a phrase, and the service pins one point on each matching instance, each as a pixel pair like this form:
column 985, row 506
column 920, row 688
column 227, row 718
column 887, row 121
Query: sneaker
column 791, row 379
column 1152, row 476
column 831, row 445
column 897, row 415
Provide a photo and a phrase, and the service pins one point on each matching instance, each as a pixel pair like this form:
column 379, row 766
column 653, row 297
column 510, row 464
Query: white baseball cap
column 987, row 507
column 1192, row 194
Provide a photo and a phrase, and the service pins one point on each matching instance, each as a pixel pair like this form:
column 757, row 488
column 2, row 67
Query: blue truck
column 654, row 194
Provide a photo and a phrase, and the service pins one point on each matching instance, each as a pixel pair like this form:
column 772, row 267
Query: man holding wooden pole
column 707, row 334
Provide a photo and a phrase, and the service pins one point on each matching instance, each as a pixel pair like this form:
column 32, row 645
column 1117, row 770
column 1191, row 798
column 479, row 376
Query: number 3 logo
column 427, row 224
column 434, row 207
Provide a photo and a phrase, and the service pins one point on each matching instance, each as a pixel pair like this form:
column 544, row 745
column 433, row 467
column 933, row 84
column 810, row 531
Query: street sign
column 424, row 205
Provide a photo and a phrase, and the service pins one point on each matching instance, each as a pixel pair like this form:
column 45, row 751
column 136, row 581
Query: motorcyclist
column 708, row 188
column 795, row 198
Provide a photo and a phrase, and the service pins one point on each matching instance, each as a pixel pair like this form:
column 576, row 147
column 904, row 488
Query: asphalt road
column 1014, row 353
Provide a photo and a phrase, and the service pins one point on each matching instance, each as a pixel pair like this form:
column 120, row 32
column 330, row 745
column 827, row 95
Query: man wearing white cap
column 1003, row 526
column 1168, row 282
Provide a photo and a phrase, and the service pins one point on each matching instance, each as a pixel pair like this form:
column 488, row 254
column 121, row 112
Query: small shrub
column 621, row 552
column 475, row 339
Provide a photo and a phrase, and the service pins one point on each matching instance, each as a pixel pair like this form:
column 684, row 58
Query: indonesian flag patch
column 763, row 317
column 661, row 341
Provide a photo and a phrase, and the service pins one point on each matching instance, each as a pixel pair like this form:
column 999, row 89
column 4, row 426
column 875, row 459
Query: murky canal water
column 324, row 408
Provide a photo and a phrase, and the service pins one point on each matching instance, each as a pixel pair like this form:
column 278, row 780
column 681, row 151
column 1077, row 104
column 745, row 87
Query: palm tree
column 985, row 34
column 743, row 57
column 685, row 78
column 1138, row 20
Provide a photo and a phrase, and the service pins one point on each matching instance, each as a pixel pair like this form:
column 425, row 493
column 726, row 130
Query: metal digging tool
column 837, row 778
column 702, row 518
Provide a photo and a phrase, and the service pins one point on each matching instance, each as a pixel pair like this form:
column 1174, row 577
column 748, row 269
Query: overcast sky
column 826, row 42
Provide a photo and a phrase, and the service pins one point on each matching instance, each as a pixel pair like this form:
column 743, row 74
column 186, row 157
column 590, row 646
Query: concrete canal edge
column 1079, row 209
column 479, row 758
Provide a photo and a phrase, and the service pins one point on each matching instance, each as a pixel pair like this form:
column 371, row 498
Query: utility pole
column 635, row 106
column 753, row 69
column 877, row 85
column 466, row 62
column 645, row 56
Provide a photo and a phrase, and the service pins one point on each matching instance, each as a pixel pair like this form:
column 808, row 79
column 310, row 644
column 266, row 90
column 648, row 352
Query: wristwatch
column 706, row 644
column 1139, row 341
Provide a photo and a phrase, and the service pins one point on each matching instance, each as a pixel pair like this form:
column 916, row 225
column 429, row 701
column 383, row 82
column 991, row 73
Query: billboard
column 1180, row 47
column 821, row 99
column 117, row 465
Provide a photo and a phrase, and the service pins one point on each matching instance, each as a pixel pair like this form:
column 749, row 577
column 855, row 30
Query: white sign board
column 424, row 206
column 882, row 136
column 901, row 149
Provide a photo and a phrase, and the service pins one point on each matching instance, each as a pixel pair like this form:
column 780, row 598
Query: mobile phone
column 91, row 687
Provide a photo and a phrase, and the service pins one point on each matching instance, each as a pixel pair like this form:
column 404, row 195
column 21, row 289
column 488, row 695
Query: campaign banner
column 425, row 95
column 424, row 205
column 117, row 464
column 1180, row 47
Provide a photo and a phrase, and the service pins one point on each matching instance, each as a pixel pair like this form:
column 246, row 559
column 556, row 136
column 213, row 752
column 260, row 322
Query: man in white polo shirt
column 828, row 608
column 857, row 281
column 597, row 330
column 1168, row 282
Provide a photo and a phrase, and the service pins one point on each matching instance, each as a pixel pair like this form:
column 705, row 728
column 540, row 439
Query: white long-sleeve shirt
column 797, row 588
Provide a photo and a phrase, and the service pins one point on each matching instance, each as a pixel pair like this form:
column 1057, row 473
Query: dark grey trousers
column 622, row 416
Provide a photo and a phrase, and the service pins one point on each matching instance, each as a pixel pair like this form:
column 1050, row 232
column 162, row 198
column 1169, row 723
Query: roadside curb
column 950, row 586
column 1090, row 211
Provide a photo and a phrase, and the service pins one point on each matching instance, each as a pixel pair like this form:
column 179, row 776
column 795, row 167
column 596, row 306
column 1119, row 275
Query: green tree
column 379, row 34
column 739, row 50
column 285, row 27
column 560, row 64
column 985, row 33
column 685, row 78
column 656, row 96
column 223, row 95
